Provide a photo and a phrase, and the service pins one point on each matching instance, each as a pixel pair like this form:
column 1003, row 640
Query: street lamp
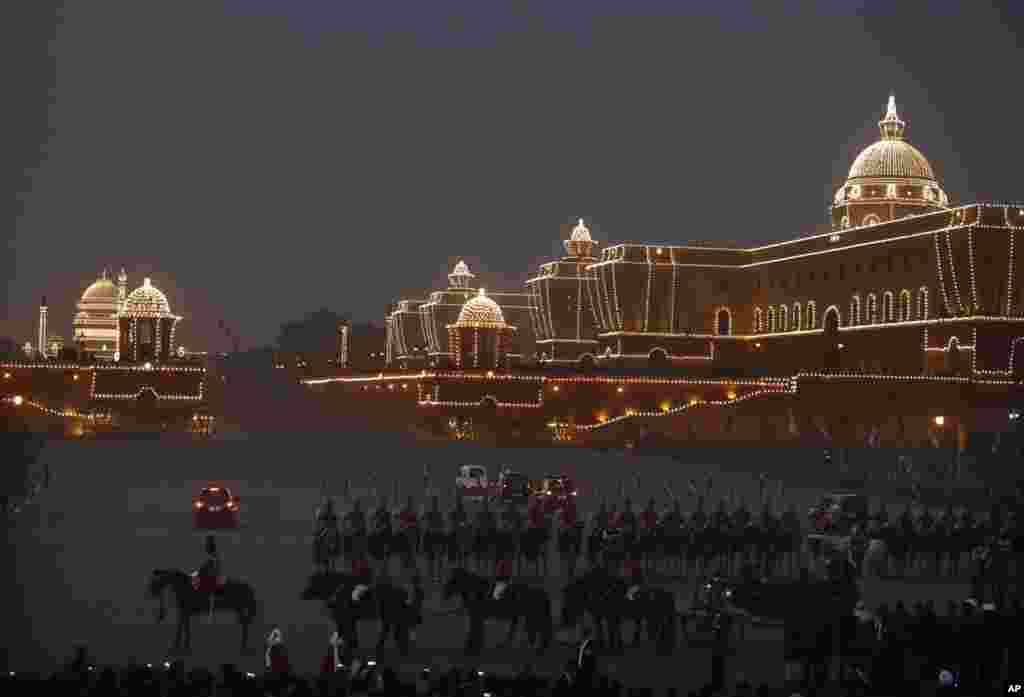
column 18, row 400
column 940, row 420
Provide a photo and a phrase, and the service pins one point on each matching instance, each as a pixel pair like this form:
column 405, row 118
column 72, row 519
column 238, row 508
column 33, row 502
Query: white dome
column 581, row 233
column 147, row 301
column 481, row 310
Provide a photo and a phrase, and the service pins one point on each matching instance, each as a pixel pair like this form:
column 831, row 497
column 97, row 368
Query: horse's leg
column 512, row 626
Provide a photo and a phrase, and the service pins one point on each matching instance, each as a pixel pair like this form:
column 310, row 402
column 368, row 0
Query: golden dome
column 481, row 310
column 891, row 157
column 102, row 290
column 147, row 301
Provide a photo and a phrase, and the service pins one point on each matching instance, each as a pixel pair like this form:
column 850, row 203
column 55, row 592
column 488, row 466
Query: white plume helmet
column 275, row 637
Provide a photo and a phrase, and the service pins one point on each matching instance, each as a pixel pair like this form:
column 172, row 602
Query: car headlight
column 199, row 505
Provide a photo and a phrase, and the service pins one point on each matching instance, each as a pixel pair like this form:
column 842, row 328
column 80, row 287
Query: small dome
column 481, row 310
column 581, row 233
column 147, row 301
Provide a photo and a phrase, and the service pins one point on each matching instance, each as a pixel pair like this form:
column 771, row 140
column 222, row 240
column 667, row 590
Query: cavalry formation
column 494, row 557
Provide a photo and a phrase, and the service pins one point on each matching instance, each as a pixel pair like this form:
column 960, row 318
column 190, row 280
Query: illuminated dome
column 481, row 310
column 460, row 277
column 889, row 179
column 581, row 233
column 580, row 243
column 102, row 290
column 147, row 301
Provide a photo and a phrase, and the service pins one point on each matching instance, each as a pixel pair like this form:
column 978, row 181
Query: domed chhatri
column 480, row 338
column 481, row 311
column 146, row 325
column 147, row 301
column 460, row 277
column 890, row 179
column 580, row 244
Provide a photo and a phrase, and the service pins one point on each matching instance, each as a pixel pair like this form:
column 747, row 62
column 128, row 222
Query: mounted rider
column 502, row 577
column 535, row 515
column 434, row 518
column 208, row 579
column 382, row 517
column 649, row 518
column 408, row 520
column 567, row 516
column 634, row 573
column 355, row 520
column 457, row 516
column 511, row 518
column 326, row 517
column 627, row 520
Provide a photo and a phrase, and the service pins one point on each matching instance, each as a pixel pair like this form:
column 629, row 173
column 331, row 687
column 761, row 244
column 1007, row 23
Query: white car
column 472, row 482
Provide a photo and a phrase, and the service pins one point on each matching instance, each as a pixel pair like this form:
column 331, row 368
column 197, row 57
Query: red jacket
column 632, row 568
column 504, row 569
column 648, row 520
column 408, row 519
column 327, row 665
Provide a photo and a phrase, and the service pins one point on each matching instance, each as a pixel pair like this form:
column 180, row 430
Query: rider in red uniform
column 407, row 518
column 649, row 517
column 536, row 515
column 568, row 514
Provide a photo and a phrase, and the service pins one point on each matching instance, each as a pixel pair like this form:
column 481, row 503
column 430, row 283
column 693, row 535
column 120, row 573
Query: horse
column 326, row 548
column 608, row 600
column 397, row 612
column 234, row 596
column 530, row 603
column 570, row 542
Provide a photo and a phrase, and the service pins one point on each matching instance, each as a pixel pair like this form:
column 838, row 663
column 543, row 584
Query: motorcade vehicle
column 216, row 508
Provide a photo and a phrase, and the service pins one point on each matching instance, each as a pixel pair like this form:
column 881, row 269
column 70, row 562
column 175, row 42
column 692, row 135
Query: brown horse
column 235, row 596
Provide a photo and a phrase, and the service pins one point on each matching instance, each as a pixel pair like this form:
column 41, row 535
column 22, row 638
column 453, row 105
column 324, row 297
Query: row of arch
column 893, row 309
column 781, row 319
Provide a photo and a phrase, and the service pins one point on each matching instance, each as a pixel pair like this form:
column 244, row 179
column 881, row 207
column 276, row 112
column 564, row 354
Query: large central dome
column 891, row 158
column 890, row 179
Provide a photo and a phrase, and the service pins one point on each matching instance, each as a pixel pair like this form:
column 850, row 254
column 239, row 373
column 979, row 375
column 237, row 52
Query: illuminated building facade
column 442, row 308
column 41, row 345
column 906, row 317
column 146, row 325
column 563, row 298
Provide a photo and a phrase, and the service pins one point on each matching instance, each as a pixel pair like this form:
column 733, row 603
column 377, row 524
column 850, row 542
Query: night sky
column 260, row 159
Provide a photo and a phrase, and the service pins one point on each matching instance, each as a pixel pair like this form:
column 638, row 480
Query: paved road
column 80, row 554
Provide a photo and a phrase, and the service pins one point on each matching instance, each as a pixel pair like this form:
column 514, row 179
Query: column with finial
column 42, row 328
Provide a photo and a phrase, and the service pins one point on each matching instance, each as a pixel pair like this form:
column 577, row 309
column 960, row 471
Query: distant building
column 54, row 345
column 95, row 326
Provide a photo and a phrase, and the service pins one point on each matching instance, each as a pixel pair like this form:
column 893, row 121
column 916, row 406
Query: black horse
column 235, row 596
column 530, row 603
column 435, row 548
column 608, row 600
column 398, row 610
column 376, row 600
